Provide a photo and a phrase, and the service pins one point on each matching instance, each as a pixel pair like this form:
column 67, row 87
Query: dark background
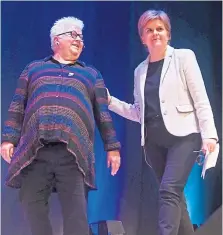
column 112, row 45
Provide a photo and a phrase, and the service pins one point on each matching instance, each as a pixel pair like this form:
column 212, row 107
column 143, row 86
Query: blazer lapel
column 144, row 67
column 166, row 62
column 142, row 80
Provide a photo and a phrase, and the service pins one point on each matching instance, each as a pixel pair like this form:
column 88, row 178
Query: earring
column 57, row 43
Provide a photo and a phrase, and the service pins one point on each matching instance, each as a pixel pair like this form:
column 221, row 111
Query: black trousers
column 54, row 166
column 172, row 159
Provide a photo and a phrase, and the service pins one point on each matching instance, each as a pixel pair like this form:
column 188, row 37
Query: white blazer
column 184, row 103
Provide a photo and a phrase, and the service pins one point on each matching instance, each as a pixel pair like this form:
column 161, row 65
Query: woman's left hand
column 209, row 144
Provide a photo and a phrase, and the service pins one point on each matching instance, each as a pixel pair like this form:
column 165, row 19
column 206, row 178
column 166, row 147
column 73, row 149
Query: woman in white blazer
column 172, row 106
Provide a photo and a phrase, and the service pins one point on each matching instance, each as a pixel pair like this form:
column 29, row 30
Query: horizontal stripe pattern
column 58, row 103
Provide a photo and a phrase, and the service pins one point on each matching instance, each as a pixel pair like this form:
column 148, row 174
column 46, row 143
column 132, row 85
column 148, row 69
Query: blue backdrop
column 112, row 45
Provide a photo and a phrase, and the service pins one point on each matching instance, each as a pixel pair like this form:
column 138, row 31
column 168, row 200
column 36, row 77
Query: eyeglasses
column 73, row 34
column 200, row 158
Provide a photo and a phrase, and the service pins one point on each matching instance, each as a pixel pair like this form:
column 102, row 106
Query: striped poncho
column 56, row 102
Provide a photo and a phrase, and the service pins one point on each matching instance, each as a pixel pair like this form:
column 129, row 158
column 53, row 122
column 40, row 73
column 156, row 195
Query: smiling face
column 69, row 44
column 154, row 35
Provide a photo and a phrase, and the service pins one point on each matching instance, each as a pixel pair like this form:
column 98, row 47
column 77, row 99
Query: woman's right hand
column 7, row 151
column 109, row 96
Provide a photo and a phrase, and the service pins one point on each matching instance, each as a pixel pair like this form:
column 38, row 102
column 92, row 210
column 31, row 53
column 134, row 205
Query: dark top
column 58, row 103
column 152, row 103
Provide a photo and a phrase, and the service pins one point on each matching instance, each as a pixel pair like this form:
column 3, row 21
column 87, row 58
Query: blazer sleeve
column 126, row 110
column 198, row 93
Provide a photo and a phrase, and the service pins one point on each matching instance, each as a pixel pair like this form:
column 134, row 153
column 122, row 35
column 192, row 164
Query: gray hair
column 152, row 15
column 63, row 25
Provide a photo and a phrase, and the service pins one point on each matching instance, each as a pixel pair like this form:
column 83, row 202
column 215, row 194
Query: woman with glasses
column 48, row 137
